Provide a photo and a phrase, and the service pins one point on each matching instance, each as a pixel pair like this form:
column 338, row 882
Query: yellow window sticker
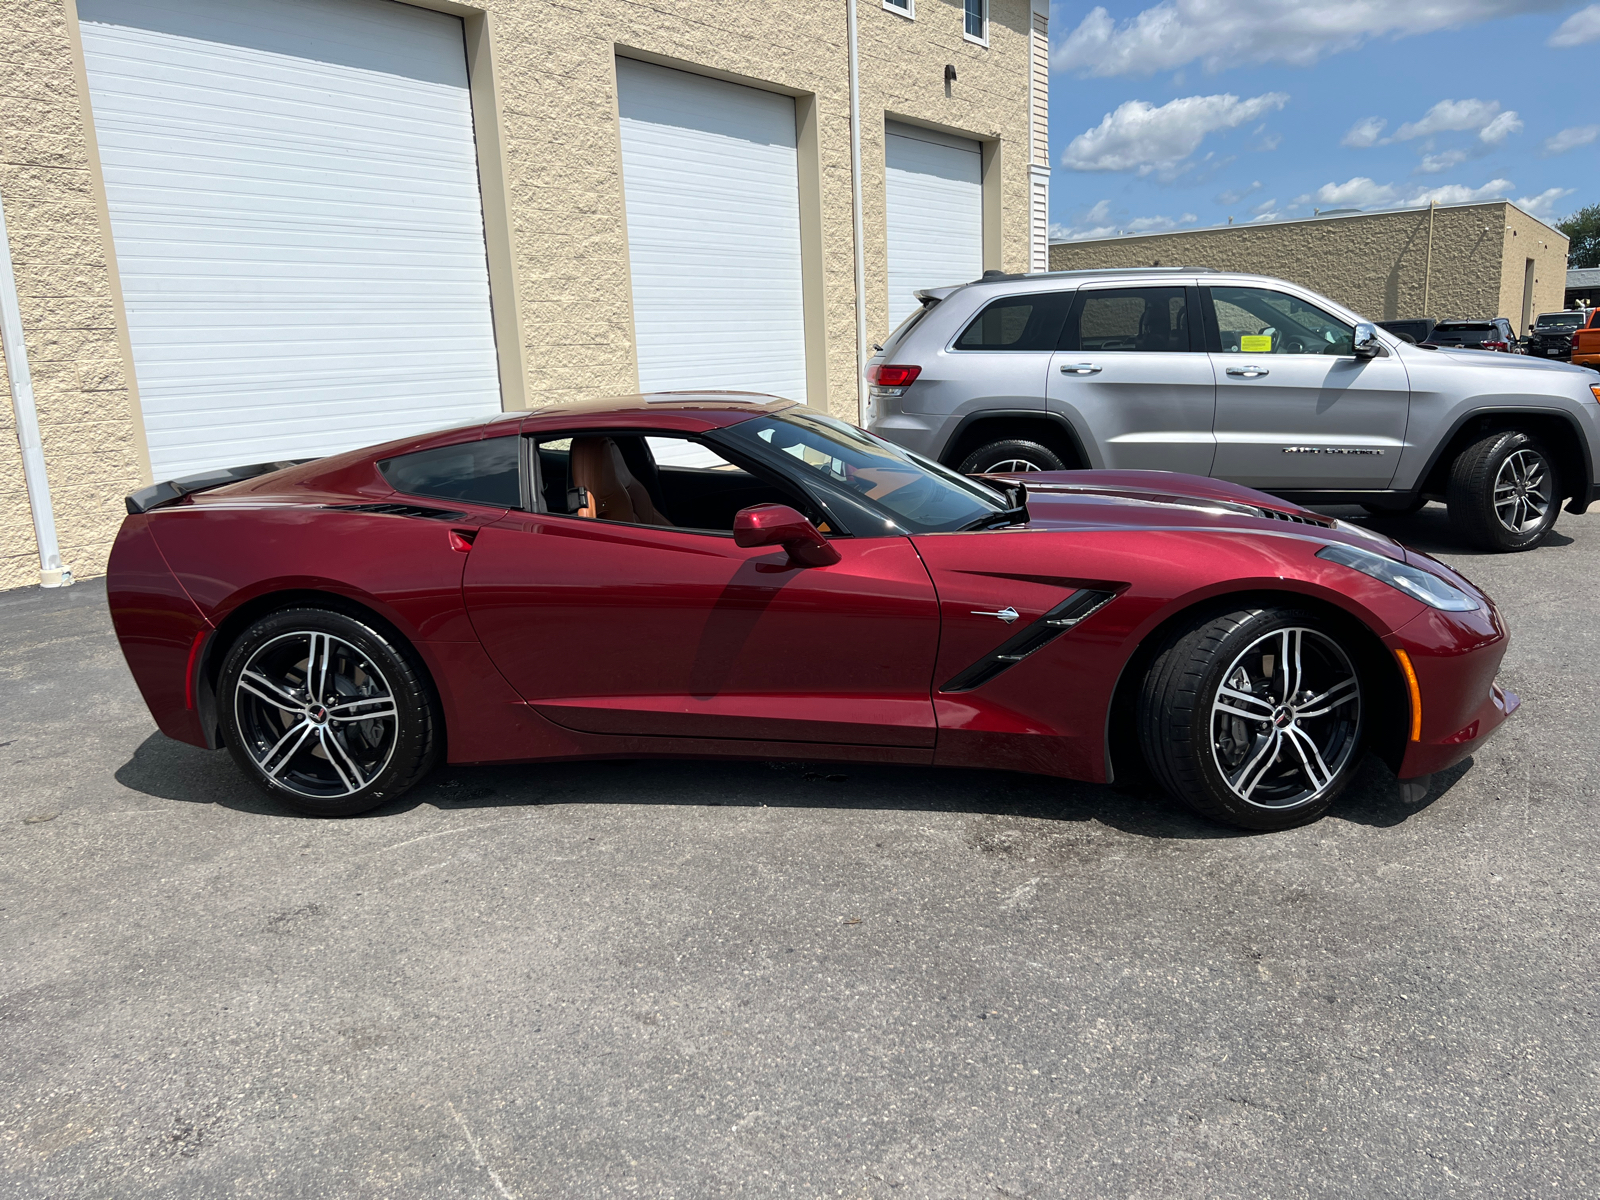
column 1256, row 343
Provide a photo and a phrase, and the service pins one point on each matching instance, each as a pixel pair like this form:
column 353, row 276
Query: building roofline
column 1332, row 216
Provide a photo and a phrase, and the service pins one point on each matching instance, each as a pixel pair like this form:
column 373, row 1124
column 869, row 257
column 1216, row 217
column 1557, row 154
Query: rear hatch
column 1462, row 333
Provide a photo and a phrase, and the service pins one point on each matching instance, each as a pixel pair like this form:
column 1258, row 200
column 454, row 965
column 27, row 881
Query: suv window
column 1258, row 321
column 1030, row 322
column 1559, row 321
column 483, row 472
column 1113, row 319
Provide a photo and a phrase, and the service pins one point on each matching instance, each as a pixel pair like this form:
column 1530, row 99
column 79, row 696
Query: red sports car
column 727, row 574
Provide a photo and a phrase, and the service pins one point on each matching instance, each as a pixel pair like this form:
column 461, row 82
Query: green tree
column 1583, row 228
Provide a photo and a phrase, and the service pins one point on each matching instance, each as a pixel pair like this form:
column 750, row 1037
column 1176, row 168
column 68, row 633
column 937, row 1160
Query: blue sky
column 1184, row 113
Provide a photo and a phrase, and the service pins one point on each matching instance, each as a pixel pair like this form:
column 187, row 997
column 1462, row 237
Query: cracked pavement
column 748, row 979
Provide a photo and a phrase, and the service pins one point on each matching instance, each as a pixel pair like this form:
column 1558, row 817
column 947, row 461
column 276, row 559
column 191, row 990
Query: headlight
column 1419, row 585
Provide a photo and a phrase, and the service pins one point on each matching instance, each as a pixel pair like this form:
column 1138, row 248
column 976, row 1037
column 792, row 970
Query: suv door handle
column 1079, row 369
column 1247, row 372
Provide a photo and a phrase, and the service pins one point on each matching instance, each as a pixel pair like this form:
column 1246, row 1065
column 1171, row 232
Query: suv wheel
column 325, row 713
column 1503, row 492
column 1254, row 717
column 1012, row 456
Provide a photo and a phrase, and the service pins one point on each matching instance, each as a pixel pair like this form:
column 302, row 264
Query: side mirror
column 780, row 525
column 1367, row 344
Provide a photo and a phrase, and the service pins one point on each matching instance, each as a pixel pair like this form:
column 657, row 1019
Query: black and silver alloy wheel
column 1011, row 456
column 1285, row 717
column 1255, row 717
column 1504, row 492
column 316, row 715
column 1522, row 496
column 326, row 712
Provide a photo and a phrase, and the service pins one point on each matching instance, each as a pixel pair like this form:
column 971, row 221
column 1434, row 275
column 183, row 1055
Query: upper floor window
column 977, row 18
column 906, row 8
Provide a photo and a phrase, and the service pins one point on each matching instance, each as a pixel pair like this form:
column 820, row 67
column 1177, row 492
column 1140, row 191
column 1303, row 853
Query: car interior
column 652, row 480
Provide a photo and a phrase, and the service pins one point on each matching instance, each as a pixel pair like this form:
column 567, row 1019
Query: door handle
column 1079, row 369
column 1248, row 372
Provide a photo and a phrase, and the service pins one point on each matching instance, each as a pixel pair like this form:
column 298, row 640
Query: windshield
column 1559, row 321
column 921, row 495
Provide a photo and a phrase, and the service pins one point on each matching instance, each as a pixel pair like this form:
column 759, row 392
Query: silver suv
column 1241, row 377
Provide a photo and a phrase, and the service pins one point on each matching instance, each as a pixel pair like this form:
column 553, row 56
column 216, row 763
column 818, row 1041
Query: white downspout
column 51, row 572
column 862, row 415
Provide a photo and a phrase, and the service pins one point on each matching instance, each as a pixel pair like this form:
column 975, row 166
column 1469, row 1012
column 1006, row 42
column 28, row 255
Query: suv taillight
column 1492, row 346
column 886, row 376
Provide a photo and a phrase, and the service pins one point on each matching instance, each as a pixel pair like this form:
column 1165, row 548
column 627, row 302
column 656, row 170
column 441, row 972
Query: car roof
column 746, row 403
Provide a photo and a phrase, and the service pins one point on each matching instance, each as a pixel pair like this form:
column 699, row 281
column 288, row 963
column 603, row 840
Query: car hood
column 1490, row 360
column 1145, row 500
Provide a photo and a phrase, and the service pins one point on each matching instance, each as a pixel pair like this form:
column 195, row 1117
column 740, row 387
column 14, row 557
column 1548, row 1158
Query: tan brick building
column 1468, row 260
column 249, row 232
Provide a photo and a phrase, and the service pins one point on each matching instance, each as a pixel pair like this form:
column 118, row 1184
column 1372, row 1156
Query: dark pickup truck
column 1551, row 335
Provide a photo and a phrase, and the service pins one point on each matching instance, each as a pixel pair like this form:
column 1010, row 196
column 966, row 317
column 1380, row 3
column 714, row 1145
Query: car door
column 1132, row 376
column 1296, row 409
column 619, row 627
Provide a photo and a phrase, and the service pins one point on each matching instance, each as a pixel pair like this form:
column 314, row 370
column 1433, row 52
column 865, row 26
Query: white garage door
column 711, row 179
column 294, row 202
column 935, row 211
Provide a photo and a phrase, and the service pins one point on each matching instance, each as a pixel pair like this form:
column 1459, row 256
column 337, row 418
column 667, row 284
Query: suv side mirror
column 780, row 525
column 1366, row 343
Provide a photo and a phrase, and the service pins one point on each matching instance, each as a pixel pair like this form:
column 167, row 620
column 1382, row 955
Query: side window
column 483, row 472
column 1258, row 321
column 1018, row 323
column 1116, row 319
column 641, row 479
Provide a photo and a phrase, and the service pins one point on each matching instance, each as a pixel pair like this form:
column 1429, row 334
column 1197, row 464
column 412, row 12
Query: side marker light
column 1415, row 691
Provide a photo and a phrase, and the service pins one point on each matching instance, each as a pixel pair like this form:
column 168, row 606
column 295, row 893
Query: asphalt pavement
column 795, row 979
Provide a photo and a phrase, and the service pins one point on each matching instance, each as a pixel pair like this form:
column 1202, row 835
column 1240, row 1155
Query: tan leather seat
column 597, row 466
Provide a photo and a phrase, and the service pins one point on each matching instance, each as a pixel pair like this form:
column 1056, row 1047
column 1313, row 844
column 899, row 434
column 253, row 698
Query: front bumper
column 1456, row 657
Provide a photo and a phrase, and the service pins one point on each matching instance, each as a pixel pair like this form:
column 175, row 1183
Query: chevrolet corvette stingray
column 725, row 574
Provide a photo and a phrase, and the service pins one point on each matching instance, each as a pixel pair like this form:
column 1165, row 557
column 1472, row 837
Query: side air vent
column 1031, row 638
column 1274, row 515
column 402, row 510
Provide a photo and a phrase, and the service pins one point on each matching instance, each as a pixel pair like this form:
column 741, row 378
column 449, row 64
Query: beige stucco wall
column 1527, row 238
column 555, row 135
column 1374, row 263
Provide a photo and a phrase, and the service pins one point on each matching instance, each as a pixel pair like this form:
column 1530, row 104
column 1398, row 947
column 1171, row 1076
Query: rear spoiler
column 934, row 295
column 158, row 494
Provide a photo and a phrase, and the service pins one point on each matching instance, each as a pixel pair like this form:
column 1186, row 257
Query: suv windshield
column 922, row 496
column 1559, row 321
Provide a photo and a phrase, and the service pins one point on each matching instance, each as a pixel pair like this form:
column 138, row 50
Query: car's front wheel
column 325, row 712
column 1254, row 717
column 1011, row 456
column 1503, row 493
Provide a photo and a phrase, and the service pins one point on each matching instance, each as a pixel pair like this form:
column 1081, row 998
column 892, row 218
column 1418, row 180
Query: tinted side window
column 1258, row 321
column 478, row 472
column 1018, row 323
column 1112, row 319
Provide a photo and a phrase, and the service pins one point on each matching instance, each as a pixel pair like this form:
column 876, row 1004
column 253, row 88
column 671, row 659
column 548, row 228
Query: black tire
column 1250, row 770
column 1504, row 492
column 1011, row 455
column 1402, row 510
column 334, row 741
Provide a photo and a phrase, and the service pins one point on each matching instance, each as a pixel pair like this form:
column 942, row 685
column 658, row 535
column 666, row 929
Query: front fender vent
column 1274, row 515
column 1030, row 638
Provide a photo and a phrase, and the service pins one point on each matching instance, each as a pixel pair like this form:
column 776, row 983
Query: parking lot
column 791, row 979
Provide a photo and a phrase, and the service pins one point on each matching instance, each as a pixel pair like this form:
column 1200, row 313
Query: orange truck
column 1586, row 343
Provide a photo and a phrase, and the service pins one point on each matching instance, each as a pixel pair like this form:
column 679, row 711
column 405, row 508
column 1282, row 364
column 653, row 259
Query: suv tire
column 1254, row 717
column 1013, row 455
column 326, row 713
column 1504, row 494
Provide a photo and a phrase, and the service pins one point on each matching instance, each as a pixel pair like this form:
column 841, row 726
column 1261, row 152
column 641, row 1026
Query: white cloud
column 1578, row 29
column 1499, row 129
column 1543, row 205
column 1238, row 194
column 1228, row 33
column 1458, row 193
column 1140, row 137
column 1432, row 164
column 1450, row 116
column 1571, row 139
column 1264, row 208
column 1364, row 133
column 1359, row 192
column 1096, row 225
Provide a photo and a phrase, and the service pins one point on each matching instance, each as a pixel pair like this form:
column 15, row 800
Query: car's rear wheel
column 1254, row 717
column 325, row 712
column 1011, row 456
column 1504, row 494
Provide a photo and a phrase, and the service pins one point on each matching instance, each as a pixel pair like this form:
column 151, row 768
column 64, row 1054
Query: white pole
column 862, row 415
column 51, row 572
